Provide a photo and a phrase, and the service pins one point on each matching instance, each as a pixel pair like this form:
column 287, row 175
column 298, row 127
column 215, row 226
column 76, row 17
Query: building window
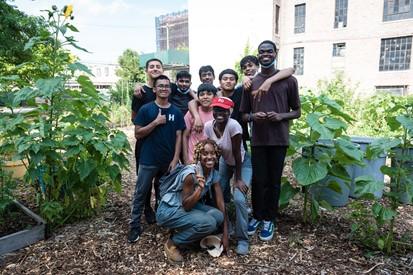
column 99, row 72
column 299, row 61
column 339, row 49
column 397, row 9
column 395, row 53
column 394, row 90
column 277, row 19
column 340, row 16
column 299, row 25
column 106, row 71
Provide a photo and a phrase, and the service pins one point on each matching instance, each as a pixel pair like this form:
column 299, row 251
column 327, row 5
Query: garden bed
column 99, row 246
column 20, row 228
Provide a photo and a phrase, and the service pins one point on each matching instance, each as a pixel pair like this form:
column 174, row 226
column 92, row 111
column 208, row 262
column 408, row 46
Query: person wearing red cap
column 270, row 113
column 227, row 133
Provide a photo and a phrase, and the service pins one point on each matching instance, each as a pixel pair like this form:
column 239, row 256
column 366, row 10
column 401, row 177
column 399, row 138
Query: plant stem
column 305, row 204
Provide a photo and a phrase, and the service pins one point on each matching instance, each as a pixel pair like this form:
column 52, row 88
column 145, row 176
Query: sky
column 108, row 27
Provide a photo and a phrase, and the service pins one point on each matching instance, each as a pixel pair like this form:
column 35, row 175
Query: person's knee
column 205, row 225
column 239, row 199
column 217, row 215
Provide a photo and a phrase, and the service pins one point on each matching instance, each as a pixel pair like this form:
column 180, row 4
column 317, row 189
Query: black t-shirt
column 236, row 97
column 179, row 99
column 147, row 96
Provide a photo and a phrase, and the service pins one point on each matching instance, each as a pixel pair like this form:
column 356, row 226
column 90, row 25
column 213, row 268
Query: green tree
column 248, row 50
column 129, row 73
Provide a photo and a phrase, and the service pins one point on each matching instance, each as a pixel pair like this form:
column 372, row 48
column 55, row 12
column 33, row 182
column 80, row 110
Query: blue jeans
column 143, row 186
column 240, row 199
column 190, row 226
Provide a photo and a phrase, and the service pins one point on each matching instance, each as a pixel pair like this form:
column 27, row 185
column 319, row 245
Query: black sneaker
column 150, row 216
column 134, row 234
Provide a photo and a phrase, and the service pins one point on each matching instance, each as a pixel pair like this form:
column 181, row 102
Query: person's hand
column 263, row 89
column 172, row 165
column 224, row 241
column 259, row 116
column 138, row 90
column 241, row 186
column 198, row 125
column 275, row 117
column 246, row 83
column 160, row 119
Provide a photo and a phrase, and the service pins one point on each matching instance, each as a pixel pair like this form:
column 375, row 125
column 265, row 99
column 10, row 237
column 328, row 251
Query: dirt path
column 98, row 246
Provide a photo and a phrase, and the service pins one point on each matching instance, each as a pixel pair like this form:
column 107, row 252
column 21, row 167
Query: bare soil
column 14, row 220
column 99, row 246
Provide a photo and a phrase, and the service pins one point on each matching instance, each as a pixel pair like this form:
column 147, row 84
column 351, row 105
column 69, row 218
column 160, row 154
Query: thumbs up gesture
column 160, row 119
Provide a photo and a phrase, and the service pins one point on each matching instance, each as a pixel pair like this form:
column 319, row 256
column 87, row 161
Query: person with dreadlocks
column 183, row 207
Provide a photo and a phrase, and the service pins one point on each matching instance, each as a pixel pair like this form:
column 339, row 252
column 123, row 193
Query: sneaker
column 134, row 234
column 150, row 216
column 252, row 226
column 267, row 231
column 172, row 252
column 242, row 248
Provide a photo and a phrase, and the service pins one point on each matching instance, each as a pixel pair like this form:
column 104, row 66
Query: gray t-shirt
column 224, row 142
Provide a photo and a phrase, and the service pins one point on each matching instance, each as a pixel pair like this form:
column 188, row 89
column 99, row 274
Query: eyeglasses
column 163, row 87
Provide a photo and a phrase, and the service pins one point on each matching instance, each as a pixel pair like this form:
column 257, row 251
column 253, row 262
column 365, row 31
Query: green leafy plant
column 323, row 149
column 7, row 188
column 74, row 158
column 400, row 150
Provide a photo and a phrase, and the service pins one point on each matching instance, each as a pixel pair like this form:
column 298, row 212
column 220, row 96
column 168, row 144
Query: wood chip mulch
column 98, row 246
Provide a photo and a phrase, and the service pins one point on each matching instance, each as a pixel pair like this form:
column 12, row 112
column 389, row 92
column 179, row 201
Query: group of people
column 206, row 135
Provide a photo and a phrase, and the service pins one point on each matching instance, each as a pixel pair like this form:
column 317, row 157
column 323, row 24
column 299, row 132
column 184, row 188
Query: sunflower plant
column 74, row 158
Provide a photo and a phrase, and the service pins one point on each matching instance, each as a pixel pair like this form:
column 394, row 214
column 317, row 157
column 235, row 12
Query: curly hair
column 199, row 148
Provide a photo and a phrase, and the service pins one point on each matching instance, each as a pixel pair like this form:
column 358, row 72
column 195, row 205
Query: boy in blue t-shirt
column 159, row 126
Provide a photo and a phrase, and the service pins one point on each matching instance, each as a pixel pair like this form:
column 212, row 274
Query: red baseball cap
column 223, row 102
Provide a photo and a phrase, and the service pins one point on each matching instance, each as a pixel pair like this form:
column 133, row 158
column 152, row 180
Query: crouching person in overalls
column 182, row 206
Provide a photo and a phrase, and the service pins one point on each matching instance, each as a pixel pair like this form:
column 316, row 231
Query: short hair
column 228, row 71
column 207, row 87
column 150, row 60
column 206, row 68
column 268, row 42
column 161, row 77
column 183, row 74
column 249, row 58
column 199, row 147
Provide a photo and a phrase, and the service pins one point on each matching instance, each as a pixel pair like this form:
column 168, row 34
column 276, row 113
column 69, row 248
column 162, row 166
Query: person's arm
column 138, row 90
column 265, row 86
column 219, row 199
column 185, row 147
column 178, row 144
column 247, row 82
column 191, row 192
column 143, row 131
column 236, row 151
column 193, row 94
column 193, row 108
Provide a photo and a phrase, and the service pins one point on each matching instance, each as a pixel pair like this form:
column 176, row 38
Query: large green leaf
column 313, row 121
column 367, row 185
column 308, row 171
column 405, row 121
column 335, row 124
column 49, row 86
column 286, row 194
column 80, row 67
column 380, row 146
column 349, row 149
column 85, row 167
